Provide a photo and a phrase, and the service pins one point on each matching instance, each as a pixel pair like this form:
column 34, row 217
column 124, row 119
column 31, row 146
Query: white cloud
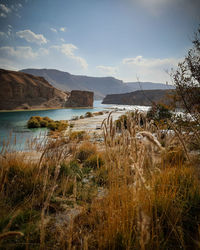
column 147, row 69
column 3, row 35
column 31, row 37
column 107, row 69
column 157, row 7
column 4, row 8
column 68, row 50
column 151, row 62
column 21, row 52
column 53, row 30
column 63, row 29
column 16, row 6
column 3, row 15
column 43, row 51
column 18, row 52
column 19, row 5
column 22, row 57
column 62, row 40
column 10, row 30
column 7, row 64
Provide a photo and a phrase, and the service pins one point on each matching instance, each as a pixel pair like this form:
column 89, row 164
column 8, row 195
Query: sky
column 125, row 39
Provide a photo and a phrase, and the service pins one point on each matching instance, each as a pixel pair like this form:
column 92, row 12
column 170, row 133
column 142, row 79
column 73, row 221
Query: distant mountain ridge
column 101, row 86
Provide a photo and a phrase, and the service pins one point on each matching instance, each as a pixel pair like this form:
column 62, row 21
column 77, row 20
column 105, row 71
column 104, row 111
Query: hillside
column 101, row 86
column 139, row 97
column 24, row 91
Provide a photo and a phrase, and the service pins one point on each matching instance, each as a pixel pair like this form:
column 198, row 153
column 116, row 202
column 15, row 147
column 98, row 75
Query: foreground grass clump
column 86, row 150
column 78, row 136
column 46, row 122
column 134, row 116
column 164, row 217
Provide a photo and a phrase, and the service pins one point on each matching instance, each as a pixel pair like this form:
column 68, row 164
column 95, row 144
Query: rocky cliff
column 141, row 97
column 101, row 86
column 80, row 98
column 24, row 91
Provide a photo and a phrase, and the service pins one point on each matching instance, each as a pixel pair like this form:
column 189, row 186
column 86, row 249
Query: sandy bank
column 93, row 124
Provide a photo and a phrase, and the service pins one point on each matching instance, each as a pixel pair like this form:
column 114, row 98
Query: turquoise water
column 13, row 124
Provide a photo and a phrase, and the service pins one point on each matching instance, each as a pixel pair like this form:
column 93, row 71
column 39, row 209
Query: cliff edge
column 24, row 91
column 80, row 98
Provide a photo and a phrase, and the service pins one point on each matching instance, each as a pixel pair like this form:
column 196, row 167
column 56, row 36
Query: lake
column 13, row 124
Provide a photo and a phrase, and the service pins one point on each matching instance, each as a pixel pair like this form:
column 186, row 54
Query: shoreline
column 43, row 109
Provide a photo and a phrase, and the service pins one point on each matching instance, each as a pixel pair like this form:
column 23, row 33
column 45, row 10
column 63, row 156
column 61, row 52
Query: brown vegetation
column 140, row 191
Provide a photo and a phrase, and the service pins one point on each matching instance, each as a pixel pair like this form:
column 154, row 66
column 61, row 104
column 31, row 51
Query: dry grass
column 141, row 191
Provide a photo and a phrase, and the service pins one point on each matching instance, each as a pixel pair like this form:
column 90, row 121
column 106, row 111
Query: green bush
column 52, row 125
column 46, row 122
column 33, row 122
column 159, row 112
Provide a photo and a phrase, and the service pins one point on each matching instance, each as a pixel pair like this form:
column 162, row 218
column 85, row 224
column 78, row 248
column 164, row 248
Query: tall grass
column 139, row 190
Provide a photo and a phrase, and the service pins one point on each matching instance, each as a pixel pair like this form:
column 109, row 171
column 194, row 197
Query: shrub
column 77, row 135
column 75, row 118
column 121, row 122
column 98, row 113
column 85, row 151
column 94, row 161
column 176, row 199
column 159, row 112
column 174, row 156
column 101, row 176
column 21, row 183
column 71, row 169
column 46, row 122
column 33, row 123
column 88, row 115
column 61, row 125
column 52, row 125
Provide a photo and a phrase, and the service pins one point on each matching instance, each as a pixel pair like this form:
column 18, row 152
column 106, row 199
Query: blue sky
column 126, row 39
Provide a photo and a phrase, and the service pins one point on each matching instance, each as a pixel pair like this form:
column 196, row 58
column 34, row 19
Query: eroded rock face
column 140, row 97
column 24, row 91
column 80, row 98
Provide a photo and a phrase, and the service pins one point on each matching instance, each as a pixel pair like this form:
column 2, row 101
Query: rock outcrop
column 80, row 98
column 141, row 97
column 24, row 91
